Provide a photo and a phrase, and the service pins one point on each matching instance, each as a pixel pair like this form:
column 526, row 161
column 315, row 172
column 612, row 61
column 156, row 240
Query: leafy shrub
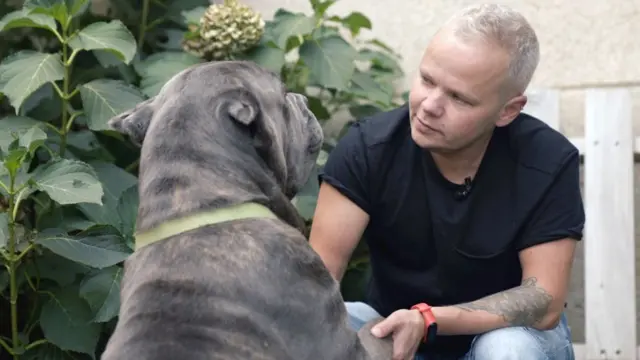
column 68, row 186
column 342, row 73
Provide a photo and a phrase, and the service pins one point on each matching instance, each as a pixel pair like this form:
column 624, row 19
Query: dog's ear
column 134, row 122
column 243, row 107
column 244, row 112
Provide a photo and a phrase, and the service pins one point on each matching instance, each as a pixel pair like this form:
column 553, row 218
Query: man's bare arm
column 537, row 302
column 337, row 227
column 525, row 305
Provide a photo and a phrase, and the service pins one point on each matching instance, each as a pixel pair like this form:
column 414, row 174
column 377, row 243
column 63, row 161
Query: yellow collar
column 180, row 225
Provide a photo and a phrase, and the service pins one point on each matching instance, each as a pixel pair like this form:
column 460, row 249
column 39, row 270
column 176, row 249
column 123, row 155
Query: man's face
column 457, row 96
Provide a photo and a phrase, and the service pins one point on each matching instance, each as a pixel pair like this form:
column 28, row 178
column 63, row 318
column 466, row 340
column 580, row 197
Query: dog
column 223, row 135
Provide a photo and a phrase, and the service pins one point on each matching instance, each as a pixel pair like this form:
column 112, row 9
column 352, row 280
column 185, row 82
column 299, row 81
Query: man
column 468, row 206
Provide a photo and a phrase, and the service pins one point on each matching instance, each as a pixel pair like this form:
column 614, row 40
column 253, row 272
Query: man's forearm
column 525, row 305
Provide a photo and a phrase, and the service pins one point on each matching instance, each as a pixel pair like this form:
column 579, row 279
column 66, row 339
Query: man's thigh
column 359, row 314
column 524, row 344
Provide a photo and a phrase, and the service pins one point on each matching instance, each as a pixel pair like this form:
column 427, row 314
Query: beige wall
column 583, row 43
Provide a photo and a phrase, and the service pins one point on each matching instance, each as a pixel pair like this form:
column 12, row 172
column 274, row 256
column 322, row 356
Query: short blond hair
column 506, row 28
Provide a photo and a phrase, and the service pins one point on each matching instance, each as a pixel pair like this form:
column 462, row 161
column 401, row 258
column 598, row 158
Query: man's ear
column 511, row 110
column 134, row 122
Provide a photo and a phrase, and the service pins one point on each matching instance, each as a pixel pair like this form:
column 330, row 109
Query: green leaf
column 4, row 230
column 68, row 182
column 158, row 68
column 65, row 320
column 306, row 199
column 56, row 268
column 98, row 247
column 381, row 60
column 48, row 351
column 363, row 85
column 112, row 36
column 4, row 280
column 354, row 284
column 101, row 290
column 321, row 7
column 105, row 98
column 318, row 109
column 13, row 127
column 22, row 18
column 48, row 215
column 176, row 7
column 43, row 104
column 33, row 138
column 13, row 161
column 193, row 16
column 287, row 24
column 26, row 71
column 322, row 159
column 330, row 60
column 115, row 181
column 325, row 31
column 127, row 210
column 84, row 144
column 364, row 110
column 61, row 10
column 266, row 56
column 356, row 21
column 378, row 43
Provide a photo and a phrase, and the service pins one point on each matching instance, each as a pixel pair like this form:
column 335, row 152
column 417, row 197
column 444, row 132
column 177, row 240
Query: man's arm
column 337, row 227
column 538, row 302
column 546, row 256
column 342, row 209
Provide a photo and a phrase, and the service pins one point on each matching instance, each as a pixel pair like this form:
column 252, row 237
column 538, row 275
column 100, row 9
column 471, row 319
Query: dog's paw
column 378, row 349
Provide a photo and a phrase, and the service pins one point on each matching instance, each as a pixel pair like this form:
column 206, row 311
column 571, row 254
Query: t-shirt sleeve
column 560, row 214
column 347, row 169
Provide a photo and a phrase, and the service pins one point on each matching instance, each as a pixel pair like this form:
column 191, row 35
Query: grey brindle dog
column 217, row 135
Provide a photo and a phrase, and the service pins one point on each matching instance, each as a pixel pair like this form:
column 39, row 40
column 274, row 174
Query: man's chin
column 424, row 141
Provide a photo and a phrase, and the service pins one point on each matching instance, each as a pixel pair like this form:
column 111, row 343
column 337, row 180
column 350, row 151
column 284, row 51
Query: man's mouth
column 423, row 123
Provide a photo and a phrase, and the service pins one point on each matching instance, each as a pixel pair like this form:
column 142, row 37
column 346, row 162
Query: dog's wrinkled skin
column 219, row 134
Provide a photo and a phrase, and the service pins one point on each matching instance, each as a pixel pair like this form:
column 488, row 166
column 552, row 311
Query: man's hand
column 407, row 329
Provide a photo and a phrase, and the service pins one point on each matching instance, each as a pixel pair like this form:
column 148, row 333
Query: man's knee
column 521, row 343
column 359, row 314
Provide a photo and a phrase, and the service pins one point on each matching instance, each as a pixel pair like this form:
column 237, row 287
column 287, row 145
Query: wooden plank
column 578, row 142
column 580, row 351
column 544, row 104
column 610, row 306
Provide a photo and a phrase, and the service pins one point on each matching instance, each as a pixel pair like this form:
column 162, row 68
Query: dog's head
column 232, row 118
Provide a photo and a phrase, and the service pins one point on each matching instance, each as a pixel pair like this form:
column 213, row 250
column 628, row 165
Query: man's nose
column 433, row 103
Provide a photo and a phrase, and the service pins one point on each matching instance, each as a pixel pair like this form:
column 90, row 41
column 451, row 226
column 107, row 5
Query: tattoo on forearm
column 524, row 305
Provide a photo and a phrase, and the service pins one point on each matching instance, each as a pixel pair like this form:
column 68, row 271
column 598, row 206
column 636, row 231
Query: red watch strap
column 427, row 315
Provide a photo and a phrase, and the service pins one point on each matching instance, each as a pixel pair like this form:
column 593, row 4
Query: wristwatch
column 430, row 324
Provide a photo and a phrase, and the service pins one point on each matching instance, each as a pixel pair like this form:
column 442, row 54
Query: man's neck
column 462, row 164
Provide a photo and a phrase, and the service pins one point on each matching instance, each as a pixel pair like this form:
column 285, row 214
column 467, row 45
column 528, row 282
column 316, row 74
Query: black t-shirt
column 428, row 244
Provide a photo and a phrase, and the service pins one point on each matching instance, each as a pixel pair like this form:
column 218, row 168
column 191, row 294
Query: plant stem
column 36, row 343
column 13, row 266
column 133, row 165
column 6, row 346
column 65, row 93
column 143, row 24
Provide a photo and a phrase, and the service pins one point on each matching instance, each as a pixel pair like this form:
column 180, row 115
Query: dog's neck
column 182, row 187
column 199, row 219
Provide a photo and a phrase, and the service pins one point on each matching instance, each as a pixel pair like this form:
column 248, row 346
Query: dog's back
column 250, row 289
